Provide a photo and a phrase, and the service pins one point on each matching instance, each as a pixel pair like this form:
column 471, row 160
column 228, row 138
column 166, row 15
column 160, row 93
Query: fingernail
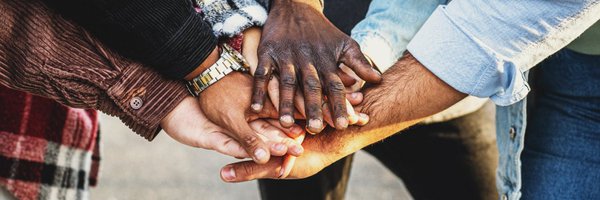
column 341, row 122
column 256, row 107
column 228, row 173
column 315, row 124
column 260, row 154
column 281, row 172
column 297, row 150
column 354, row 95
column 377, row 71
column 287, row 119
column 279, row 147
column 363, row 115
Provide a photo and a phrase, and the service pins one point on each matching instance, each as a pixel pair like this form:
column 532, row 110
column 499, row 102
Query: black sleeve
column 168, row 35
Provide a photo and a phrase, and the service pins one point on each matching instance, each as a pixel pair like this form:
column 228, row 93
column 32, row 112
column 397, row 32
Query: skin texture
column 188, row 125
column 303, row 46
column 408, row 94
column 227, row 102
column 251, row 42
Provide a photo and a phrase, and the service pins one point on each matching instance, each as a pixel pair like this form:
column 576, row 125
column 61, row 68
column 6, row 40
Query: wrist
column 209, row 61
column 316, row 4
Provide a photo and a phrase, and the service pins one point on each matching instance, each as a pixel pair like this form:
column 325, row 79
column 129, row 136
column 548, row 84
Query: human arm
column 386, row 31
column 169, row 36
column 407, row 94
column 514, row 42
column 487, row 46
column 44, row 54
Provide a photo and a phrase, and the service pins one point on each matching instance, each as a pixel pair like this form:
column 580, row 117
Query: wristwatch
column 229, row 61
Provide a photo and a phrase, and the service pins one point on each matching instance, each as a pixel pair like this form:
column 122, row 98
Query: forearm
column 167, row 35
column 46, row 55
column 408, row 93
column 488, row 45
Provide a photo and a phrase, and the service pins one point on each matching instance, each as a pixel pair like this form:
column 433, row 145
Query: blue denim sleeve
column 389, row 26
column 482, row 48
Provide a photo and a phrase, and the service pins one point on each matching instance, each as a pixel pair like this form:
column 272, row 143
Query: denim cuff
column 378, row 49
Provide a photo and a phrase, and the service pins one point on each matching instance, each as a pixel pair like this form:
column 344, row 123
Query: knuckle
column 250, row 141
column 313, row 85
column 336, row 87
column 267, row 46
column 288, row 81
column 246, row 169
column 352, row 44
column 286, row 106
column 261, row 73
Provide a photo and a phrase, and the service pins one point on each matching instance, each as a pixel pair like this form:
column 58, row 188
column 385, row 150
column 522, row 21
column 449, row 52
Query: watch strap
column 229, row 61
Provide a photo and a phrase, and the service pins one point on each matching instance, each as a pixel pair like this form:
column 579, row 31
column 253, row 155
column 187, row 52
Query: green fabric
column 588, row 42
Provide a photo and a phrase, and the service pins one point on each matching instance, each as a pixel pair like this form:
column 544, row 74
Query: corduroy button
column 136, row 103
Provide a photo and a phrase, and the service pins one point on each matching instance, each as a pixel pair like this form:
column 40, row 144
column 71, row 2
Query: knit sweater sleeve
column 230, row 17
column 167, row 35
column 46, row 55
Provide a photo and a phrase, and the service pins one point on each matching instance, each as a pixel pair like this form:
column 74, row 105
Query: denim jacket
column 481, row 48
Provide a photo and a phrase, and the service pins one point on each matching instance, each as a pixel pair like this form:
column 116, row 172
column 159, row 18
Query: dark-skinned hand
column 298, row 41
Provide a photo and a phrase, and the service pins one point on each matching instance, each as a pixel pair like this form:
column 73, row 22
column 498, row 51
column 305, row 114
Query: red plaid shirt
column 47, row 150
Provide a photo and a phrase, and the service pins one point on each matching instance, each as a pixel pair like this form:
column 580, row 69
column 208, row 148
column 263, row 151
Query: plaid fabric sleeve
column 47, row 148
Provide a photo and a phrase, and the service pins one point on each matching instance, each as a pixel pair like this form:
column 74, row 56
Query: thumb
column 223, row 144
column 251, row 142
column 248, row 170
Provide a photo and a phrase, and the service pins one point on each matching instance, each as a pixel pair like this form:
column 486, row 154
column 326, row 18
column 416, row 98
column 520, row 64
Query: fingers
column 293, row 132
column 354, row 98
column 289, row 160
column 299, row 102
column 287, row 89
column 337, row 100
column 313, row 98
column 273, row 90
column 247, row 170
column 251, row 142
column 354, row 118
column 363, row 119
column 231, row 148
column 277, row 139
column 354, row 59
column 346, row 79
column 262, row 75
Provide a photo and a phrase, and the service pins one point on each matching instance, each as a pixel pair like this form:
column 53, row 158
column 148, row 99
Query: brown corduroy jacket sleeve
column 44, row 54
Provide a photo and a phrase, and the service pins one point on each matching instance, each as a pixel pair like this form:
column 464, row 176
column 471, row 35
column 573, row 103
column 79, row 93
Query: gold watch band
column 230, row 61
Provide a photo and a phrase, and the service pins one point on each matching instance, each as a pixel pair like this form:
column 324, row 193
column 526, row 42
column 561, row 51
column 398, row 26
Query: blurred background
column 133, row 168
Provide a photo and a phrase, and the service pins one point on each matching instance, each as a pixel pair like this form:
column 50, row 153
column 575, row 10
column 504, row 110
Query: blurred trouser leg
column 561, row 158
column 455, row 159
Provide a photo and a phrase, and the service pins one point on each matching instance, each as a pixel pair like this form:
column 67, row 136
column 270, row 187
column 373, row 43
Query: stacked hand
column 223, row 121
